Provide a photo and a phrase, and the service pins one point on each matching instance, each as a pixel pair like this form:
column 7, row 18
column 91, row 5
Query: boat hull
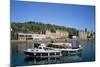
column 31, row 54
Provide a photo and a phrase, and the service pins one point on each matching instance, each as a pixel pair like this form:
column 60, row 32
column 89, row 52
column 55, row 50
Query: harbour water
column 18, row 57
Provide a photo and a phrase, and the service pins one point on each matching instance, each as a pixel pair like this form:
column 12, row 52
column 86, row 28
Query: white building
column 25, row 36
column 30, row 36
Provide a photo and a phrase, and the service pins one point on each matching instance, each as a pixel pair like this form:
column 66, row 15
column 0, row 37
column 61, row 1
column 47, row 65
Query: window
column 57, row 53
column 52, row 54
column 28, row 35
column 44, row 54
column 38, row 54
column 21, row 35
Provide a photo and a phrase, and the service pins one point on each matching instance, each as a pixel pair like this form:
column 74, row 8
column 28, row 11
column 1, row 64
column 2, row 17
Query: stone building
column 57, row 34
column 82, row 35
column 48, row 35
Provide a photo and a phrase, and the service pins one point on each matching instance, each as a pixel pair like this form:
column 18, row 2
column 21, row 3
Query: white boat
column 69, row 50
column 42, row 52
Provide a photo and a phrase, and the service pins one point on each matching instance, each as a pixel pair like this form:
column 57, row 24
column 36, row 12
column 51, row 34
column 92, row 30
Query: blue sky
column 75, row 16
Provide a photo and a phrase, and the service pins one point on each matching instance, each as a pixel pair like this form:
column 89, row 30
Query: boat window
column 38, row 54
column 72, row 52
column 36, row 50
column 52, row 53
column 57, row 53
column 46, row 48
column 32, row 50
column 44, row 54
column 40, row 47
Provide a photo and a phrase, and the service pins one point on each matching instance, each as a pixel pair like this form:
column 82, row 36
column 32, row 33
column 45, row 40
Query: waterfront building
column 39, row 36
column 91, row 35
column 83, row 35
column 58, row 34
column 30, row 36
column 25, row 36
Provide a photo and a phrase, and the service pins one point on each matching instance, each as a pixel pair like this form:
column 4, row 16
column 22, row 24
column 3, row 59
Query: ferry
column 42, row 52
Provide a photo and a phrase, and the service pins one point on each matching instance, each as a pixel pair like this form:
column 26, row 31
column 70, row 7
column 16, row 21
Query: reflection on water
column 64, row 59
column 19, row 58
column 42, row 60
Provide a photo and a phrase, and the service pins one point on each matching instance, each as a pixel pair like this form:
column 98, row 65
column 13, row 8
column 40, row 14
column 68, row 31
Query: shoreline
column 48, row 41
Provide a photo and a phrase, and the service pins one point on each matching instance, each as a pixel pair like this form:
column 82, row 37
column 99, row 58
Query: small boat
column 42, row 52
column 69, row 50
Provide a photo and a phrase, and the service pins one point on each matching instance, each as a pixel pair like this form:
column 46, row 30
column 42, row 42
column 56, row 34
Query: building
column 82, row 35
column 57, row 34
column 91, row 35
column 25, row 36
column 39, row 36
column 30, row 36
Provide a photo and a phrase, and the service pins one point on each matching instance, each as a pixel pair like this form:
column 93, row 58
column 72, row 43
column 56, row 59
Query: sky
column 68, row 15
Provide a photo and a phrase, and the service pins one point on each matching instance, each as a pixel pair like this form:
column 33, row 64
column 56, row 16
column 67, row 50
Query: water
column 18, row 58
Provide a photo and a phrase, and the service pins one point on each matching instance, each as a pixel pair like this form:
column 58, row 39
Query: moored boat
column 42, row 52
column 67, row 48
